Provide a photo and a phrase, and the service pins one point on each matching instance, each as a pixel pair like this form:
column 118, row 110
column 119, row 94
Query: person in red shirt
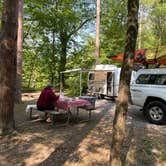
column 47, row 99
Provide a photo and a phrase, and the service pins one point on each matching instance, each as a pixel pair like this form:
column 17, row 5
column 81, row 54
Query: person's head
column 49, row 86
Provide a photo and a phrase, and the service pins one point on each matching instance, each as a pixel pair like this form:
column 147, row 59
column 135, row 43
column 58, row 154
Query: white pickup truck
column 148, row 90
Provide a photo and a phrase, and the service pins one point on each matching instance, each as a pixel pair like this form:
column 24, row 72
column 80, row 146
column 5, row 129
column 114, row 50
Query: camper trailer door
column 110, row 84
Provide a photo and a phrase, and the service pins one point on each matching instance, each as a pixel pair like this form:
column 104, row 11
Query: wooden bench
column 52, row 113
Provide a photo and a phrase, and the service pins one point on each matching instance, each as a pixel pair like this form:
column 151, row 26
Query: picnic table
column 65, row 104
column 68, row 103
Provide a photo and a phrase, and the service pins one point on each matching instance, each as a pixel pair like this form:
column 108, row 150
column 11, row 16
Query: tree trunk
column 119, row 122
column 52, row 66
column 140, row 26
column 97, row 32
column 19, row 52
column 62, row 64
column 8, row 50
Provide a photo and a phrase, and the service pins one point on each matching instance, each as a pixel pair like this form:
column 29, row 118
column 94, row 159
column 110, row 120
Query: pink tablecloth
column 66, row 104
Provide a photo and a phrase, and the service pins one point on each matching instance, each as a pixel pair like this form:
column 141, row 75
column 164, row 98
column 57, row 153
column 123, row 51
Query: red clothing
column 47, row 98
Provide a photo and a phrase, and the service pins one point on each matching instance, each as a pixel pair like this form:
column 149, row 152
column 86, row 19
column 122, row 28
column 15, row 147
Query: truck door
column 109, row 83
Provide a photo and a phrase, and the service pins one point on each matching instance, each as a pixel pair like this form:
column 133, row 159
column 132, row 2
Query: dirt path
column 82, row 144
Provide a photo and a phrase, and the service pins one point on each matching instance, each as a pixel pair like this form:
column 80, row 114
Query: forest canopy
column 60, row 35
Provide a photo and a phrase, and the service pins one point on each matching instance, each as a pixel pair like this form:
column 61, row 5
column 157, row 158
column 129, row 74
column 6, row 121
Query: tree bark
column 8, row 50
column 52, row 66
column 62, row 65
column 119, row 123
column 19, row 52
column 140, row 26
column 97, row 32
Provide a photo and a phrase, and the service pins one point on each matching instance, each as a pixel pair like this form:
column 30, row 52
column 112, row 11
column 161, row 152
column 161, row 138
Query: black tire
column 155, row 112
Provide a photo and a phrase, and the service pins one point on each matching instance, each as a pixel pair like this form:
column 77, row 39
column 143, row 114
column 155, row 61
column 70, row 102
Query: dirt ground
column 85, row 143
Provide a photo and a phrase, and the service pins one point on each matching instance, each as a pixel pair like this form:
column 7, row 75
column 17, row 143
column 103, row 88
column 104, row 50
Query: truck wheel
column 155, row 112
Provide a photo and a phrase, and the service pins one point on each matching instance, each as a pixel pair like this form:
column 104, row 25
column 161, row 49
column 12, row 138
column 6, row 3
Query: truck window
column 153, row 79
column 161, row 79
column 143, row 79
column 91, row 76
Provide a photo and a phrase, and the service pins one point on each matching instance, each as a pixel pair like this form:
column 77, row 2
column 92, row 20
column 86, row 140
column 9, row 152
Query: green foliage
column 73, row 82
column 52, row 30
column 59, row 35
column 82, row 59
column 153, row 23
column 113, row 27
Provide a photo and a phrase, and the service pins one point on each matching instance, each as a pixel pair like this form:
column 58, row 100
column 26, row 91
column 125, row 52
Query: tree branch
column 80, row 26
column 28, row 32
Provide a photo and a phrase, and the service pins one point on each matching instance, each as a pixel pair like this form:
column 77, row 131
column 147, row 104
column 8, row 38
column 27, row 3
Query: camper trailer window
column 91, row 76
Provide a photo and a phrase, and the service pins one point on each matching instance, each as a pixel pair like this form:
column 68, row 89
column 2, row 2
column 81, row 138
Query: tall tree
column 159, row 17
column 140, row 26
column 97, row 31
column 119, row 123
column 65, row 19
column 19, row 52
column 152, row 24
column 8, row 50
column 112, row 28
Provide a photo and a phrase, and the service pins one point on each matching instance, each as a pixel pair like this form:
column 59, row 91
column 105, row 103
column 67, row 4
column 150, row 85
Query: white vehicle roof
column 152, row 71
column 105, row 67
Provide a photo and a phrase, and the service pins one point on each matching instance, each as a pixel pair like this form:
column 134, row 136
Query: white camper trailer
column 104, row 81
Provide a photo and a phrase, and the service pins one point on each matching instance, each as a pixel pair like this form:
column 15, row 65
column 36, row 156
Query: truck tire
column 155, row 112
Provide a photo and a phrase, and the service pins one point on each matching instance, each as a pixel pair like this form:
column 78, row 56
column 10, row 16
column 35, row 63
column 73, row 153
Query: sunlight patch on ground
column 131, row 155
column 30, row 96
column 3, row 160
column 83, row 143
column 39, row 153
column 94, row 149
